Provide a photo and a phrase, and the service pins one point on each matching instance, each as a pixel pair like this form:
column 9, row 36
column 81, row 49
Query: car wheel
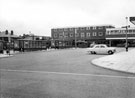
column 94, row 52
column 110, row 52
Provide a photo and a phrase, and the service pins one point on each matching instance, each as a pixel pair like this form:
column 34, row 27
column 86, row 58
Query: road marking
column 63, row 73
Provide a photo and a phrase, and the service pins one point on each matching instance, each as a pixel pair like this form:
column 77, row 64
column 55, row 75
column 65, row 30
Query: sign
column 132, row 20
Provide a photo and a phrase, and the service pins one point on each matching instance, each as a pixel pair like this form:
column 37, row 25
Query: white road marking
column 63, row 73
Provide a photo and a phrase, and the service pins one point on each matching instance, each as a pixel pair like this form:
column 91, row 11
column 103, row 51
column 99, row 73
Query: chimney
column 12, row 32
column 6, row 32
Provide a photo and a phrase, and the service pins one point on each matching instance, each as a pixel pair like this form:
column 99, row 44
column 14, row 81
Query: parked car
column 102, row 49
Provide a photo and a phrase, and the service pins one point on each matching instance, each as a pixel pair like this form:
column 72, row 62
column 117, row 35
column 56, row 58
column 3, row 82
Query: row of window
column 88, row 34
column 79, row 28
column 113, row 32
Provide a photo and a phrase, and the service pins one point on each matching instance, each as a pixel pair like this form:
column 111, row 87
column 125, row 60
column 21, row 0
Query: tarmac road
column 61, row 74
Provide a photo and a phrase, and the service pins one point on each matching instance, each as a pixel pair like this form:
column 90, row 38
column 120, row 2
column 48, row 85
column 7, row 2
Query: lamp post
column 63, row 40
column 126, row 44
column 75, row 36
column 9, row 41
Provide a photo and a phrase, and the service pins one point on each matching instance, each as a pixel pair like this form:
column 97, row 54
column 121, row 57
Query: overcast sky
column 39, row 16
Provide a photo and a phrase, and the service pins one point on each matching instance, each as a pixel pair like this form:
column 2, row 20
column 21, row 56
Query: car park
column 101, row 49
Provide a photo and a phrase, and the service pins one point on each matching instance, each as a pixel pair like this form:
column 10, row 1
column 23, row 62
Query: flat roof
column 119, row 38
column 131, row 28
column 84, row 26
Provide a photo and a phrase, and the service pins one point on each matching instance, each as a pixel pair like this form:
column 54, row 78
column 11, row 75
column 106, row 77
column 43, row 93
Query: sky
column 40, row 16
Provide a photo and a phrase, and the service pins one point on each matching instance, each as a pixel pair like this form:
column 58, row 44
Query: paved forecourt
column 123, row 61
column 61, row 74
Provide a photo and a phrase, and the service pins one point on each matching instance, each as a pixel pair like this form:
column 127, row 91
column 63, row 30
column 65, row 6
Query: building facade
column 32, row 42
column 27, row 42
column 78, row 36
column 7, row 40
column 118, row 36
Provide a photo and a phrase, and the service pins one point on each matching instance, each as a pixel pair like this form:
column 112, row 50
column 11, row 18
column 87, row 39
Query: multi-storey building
column 118, row 36
column 71, row 36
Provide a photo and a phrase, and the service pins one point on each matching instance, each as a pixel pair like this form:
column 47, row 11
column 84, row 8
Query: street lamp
column 63, row 40
column 75, row 36
column 9, row 41
column 126, row 45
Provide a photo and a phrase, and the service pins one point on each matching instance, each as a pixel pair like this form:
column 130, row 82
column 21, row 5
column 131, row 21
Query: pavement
column 122, row 61
column 5, row 55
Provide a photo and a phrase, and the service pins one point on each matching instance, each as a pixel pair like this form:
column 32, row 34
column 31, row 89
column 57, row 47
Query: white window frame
column 55, row 35
column 88, row 34
column 66, row 35
column 77, row 34
column 82, row 35
column 71, row 34
column 65, row 29
column 55, row 30
column 100, row 33
column 94, row 28
column 87, row 28
column 61, row 35
column 94, row 33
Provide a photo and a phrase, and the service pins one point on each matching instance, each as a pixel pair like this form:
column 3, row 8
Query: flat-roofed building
column 68, row 36
column 117, row 36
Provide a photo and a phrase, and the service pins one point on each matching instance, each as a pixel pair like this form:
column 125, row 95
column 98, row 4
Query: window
column 60, row 29
column 112, row 32
column 100, row 33
column 130, row 31
column 71, row 34
column 123, row 32
column 96, row 46
column 94, row 34
column 66, row 35
column 60, row 36
column 100, row 27
column 71, row 29
column 77, row 34
column 55, row 30
column 94, row 28
column 133, row 31
column 102, row 46
column 119, row 31
column 82, row 28
column 55, row 35
column 116, row 31
column 87, row 28
column 88, row 34
column 82, row 35
column 65, row 29
column 107, row 32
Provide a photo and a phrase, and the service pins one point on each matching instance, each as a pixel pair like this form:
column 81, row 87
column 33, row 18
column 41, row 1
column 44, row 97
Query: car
column 101, row 49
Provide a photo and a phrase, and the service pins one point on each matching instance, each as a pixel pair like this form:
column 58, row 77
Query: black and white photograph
column 67, row 48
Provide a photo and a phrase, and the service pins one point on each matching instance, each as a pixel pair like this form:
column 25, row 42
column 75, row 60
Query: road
column 64, row 73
